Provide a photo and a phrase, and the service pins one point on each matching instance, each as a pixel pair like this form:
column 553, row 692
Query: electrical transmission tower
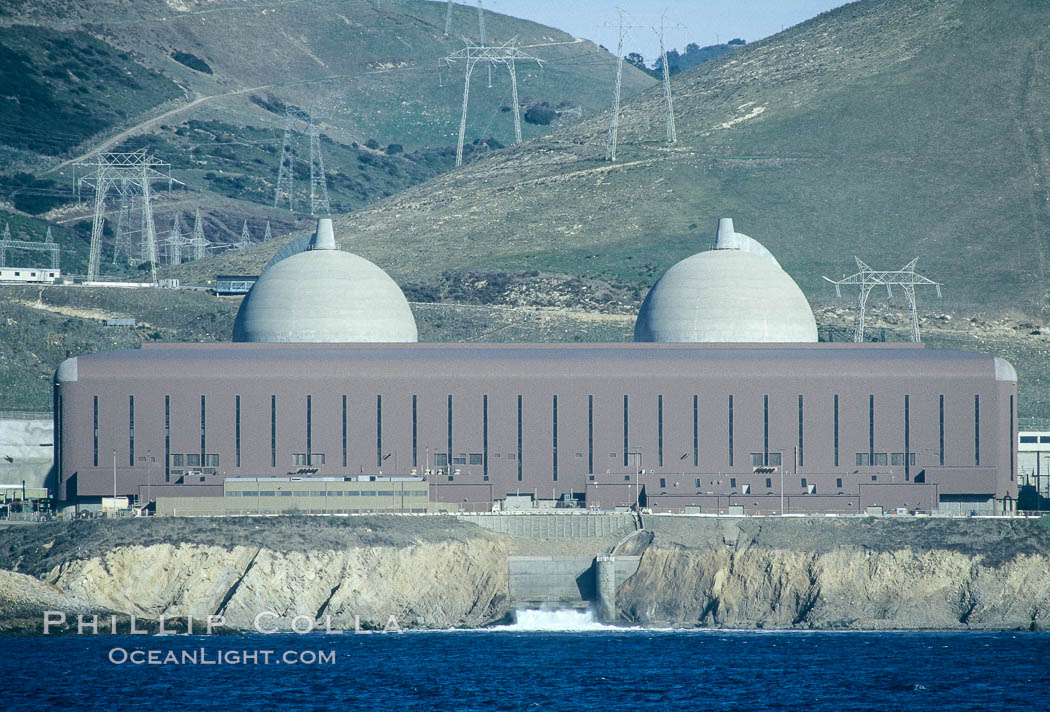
column 126, row 174
column 198, row 241
column 286, row 173
column 246, row 239
column 867, row 278
column 614, row 123
column 48, row 245
column 506, row 54
column 175, row 242
column 448, row 18
column 672, row 134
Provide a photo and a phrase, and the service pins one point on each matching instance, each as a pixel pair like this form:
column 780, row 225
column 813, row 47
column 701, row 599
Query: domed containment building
column 735, row 293
column 325, row 295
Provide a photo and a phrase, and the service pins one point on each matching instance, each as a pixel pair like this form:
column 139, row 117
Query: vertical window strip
column 696, row 430
column 941, row 431
column 871, row 429
column 765, row 430
column 309, row 428
column 590, row 434
column 801, row 459
column 977, row 431
column 273, row 431
column 730, row 431
column 660, row 430
column 379, row 432
column 204, row 430
column 907, row 437
column 484, row 435
column 95, row 431
column 344, row 428
column 449, row 448
column 519, row 437
column 58, row 434
column 237, row 428
column 626, row 447
column 836, row 419
column 554, row 436
column 415, row 432
column 167, row 438
column 1013, row 438
column 131, row 431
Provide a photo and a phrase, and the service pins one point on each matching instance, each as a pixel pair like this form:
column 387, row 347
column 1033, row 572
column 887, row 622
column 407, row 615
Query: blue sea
column 532, row 665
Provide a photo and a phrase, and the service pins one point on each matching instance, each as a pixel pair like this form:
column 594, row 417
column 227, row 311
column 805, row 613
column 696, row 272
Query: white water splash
column 562, row 619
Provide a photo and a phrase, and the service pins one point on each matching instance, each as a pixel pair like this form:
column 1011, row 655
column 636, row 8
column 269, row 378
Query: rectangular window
column 204, row 428
column 897, row 459
column 663, row 482
column 379, row 431
column 871, row 427
column 774, row 459
column 95, row 431
column 730, row 431
column 907, row 436
column 193, row 459
column 977, row 431
column 804, row 483
column 696, row 431
column 415, row 421
column 800, row 443
column 131, row 431
column 757, row 459
column 590, row 433
column 941, row 459
column 626, row 447
column 519, row 436
column 732, row 482
column 554, row 437
column 880, row 459
column 862, row 459
column 316, row 458
column 177, row 461
column 448, row 451
column 698, row 482
column 765, row 429
column 440, row 459
column 1029, row 439
column 344, row 428
column 836, row 419
column 273, row 431
column 237, row 428
column 459, row 460
column 838, row 482
column 309, row 424
column 475, row 458
column 660, row 430
column 299, row 459
column 211, row 459
column 167, row 437
column 769, row 483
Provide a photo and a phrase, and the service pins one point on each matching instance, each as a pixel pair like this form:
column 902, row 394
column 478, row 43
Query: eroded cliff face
column 848, row 588
column 425, row 585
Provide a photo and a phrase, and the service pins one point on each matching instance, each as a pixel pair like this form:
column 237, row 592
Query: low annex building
column 686, row 421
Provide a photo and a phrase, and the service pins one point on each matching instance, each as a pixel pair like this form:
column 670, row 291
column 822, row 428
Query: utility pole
column 448, row 18
column 506, row 54
column 867, row 279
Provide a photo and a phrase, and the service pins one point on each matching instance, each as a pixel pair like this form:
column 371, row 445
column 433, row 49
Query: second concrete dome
column 736, row 293
column 325, row 295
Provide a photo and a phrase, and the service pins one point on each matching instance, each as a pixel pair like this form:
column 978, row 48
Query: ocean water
column 546, row 661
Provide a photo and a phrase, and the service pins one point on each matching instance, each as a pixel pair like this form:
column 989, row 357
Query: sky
column 705, row 22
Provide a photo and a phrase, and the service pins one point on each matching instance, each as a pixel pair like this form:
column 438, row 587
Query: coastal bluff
column 438, row 572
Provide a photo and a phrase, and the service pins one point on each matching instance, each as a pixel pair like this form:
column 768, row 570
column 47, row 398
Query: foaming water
column 552, row 620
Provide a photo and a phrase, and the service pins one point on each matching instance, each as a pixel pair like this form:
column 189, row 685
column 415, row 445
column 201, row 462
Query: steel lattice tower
column 124, row 173
column 175, row 242
column 286, row 174
column 672, row 134
column 48, row 245
column 268, row 235
column 506, row 54
column 198, row 241
column 867, row 278
column 318, row 182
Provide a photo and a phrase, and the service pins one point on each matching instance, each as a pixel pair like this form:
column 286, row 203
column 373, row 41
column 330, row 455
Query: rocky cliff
column 437, row 572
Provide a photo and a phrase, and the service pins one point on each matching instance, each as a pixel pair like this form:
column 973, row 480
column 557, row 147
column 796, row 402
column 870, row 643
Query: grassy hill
column 204, row 83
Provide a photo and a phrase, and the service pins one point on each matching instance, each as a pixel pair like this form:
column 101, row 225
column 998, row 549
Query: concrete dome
column 325, row 295
column 725, row 295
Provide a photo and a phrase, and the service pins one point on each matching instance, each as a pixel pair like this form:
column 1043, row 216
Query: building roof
column 554, row 362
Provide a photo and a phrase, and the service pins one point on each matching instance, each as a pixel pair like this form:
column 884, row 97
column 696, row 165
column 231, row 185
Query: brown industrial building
column 844, row 426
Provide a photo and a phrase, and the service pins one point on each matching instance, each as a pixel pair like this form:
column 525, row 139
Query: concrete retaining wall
column 28, row 444
column 554, row 526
